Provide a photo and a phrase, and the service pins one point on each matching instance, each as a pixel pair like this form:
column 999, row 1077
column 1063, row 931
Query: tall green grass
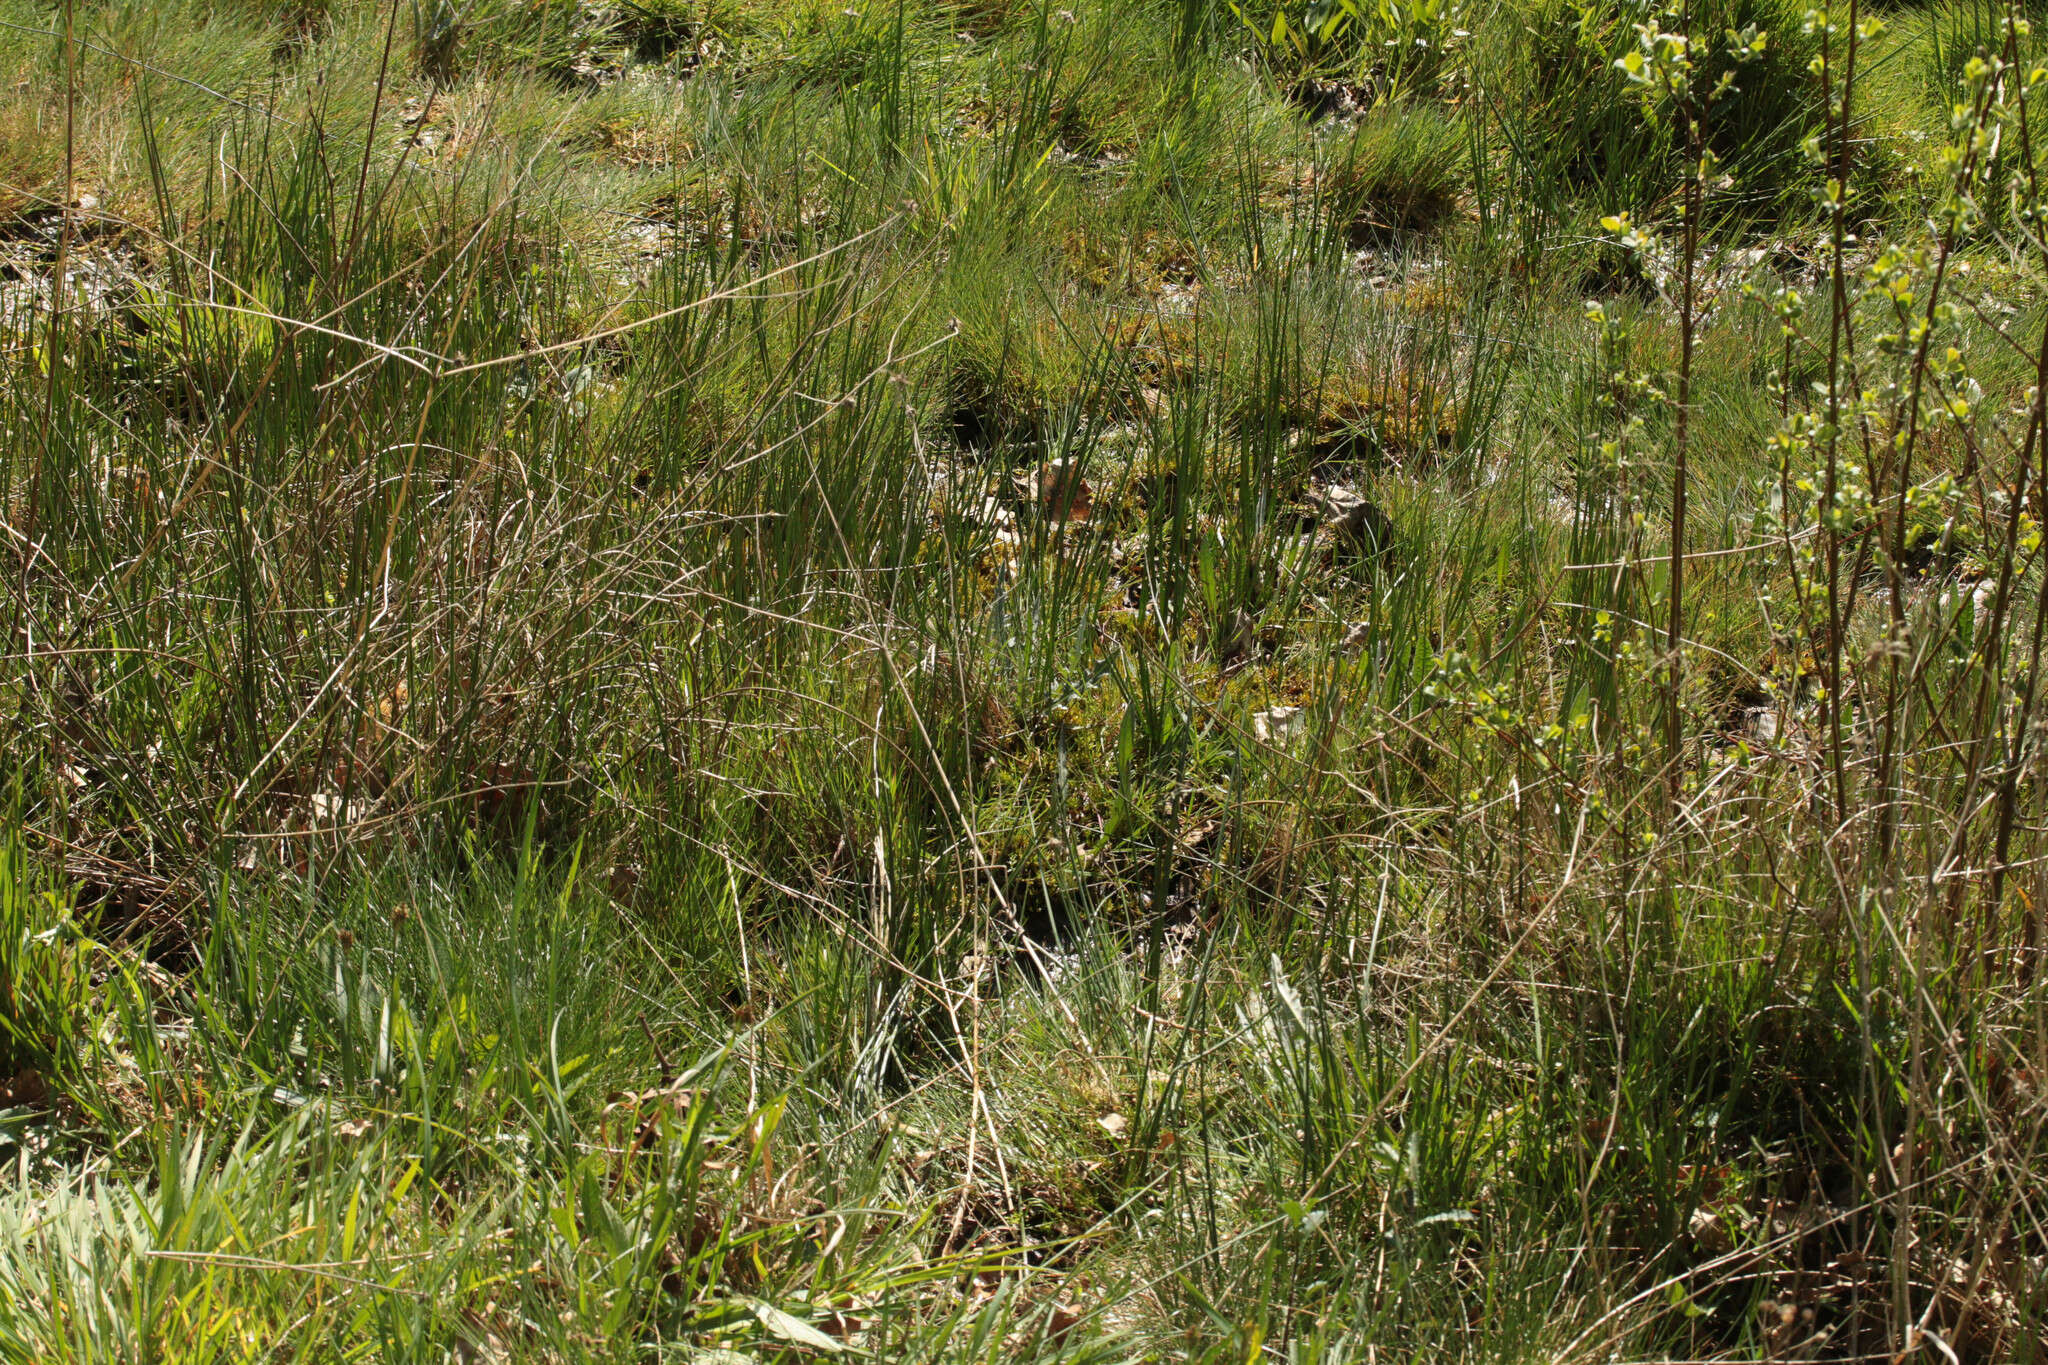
column 969, row 682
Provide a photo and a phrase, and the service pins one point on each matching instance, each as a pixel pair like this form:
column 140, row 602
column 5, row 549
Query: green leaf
column 794, row 1329
column 1448, row 1216
column 600, row 1220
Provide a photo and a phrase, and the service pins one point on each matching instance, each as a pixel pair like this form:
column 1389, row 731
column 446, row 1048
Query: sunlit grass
column 705, row 681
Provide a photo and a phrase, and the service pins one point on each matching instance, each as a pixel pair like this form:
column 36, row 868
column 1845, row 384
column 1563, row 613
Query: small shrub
column 553, row 37
column 1404, row 47
column 991, row 398
column 657, row 28
column 1401, row 170
column 1577, row 130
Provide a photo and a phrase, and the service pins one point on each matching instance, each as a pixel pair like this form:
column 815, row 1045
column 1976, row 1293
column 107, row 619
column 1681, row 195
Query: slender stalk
column 1674, row 643
column 1889, row 739
column 1837, row 114
column 2022, row 747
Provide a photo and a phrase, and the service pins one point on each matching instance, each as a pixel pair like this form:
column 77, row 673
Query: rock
column 1353, row 520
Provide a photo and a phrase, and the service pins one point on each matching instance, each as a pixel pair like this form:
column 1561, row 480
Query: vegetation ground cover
column 705, row 680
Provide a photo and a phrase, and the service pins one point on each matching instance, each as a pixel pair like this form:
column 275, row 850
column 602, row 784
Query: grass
column 707, row 680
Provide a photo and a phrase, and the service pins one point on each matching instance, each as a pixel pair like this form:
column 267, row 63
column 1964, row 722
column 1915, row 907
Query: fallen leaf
column 840, row 1325
column 1059, row 490
column 27, row 1088
column 1280, row 725
column 482, row 1345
